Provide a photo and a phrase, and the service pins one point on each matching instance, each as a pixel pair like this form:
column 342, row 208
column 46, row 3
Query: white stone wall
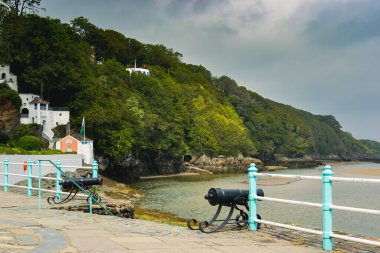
column 67, row 160
column 33, row 115
column 7, row 77
column 59, row 118
column 87, row 151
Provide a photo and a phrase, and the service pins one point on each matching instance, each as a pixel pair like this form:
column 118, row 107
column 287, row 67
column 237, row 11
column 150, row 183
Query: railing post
column 30, row 179
column 327, row 218
column 95, row 169
column 6, row 164
column 58, row 180
column 252, row 180
column 94, row 175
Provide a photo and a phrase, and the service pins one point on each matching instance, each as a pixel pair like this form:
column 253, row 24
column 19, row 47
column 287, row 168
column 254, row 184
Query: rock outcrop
column 222, row 164
column 9, row 116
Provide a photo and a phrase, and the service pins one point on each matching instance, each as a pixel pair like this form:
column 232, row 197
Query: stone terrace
column 25, row 228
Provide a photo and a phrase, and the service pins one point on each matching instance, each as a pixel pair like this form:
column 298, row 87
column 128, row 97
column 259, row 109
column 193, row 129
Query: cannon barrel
column 67, row 183
column 218, row 196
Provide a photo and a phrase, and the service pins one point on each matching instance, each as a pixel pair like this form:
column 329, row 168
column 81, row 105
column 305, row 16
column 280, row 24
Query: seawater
column 184, row 197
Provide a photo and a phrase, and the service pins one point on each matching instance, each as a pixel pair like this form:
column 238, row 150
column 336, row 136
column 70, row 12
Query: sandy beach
column 368, row 172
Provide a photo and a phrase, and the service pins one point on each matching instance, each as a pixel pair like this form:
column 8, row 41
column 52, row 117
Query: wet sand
column 183, row 174
column 368, row 172
column 275, row 181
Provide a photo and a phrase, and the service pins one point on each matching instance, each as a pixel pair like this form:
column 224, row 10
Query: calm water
column 184, row 197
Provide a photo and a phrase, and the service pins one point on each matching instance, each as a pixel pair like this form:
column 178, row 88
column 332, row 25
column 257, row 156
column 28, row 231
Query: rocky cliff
column 9, row 116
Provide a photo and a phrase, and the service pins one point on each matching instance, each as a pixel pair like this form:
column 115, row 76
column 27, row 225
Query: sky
column 321, row 56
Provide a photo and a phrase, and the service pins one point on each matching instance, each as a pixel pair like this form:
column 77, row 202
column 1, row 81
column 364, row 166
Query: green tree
column 21, row 7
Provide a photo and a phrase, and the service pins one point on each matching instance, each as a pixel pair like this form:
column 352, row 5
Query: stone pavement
column 25, row 228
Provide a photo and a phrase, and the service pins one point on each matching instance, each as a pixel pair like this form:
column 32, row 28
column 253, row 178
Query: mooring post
column 327, row 218
column 6, row 164
column 252, row 180
column 30, row 179
column 58, row 180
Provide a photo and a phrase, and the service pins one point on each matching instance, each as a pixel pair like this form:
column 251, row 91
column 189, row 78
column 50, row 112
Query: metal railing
column 28, row 168
column 327, row 205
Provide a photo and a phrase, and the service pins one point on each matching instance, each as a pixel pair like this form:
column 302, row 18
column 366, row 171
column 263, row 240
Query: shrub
column 4, row 138
column 29, row 142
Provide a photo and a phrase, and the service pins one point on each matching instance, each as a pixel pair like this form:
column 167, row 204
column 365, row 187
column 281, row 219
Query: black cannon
column 68, row 185
column 229, row 198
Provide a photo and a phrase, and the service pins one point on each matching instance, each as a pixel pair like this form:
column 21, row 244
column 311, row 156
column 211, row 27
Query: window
column 69, row 141
column 35, row 106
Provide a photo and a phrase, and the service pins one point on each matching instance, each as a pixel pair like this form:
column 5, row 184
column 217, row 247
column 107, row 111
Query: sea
column 183, row 196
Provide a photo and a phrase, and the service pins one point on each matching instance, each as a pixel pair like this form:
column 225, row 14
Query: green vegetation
column 29, row 143
column 373, row 153
column 7, row 95
column 180, row 108
column 283, row 130
column 20, row 151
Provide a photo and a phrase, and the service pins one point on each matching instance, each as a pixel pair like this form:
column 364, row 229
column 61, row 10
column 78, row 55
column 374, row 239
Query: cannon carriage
column 68, row 185
column 231, row 198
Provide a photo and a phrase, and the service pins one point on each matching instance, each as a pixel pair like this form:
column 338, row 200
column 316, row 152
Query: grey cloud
column 340, row 24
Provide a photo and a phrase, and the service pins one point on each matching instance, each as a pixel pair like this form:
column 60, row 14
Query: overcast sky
column 322, row 56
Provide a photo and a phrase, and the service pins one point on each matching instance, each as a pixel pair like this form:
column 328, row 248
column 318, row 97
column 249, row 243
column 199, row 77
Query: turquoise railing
column 28, row 166
column 327, row 206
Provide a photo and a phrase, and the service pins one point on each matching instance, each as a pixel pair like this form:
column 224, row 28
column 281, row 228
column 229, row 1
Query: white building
column 138, row 70
column 71, row 144
column 7, row 77
column 35, row 110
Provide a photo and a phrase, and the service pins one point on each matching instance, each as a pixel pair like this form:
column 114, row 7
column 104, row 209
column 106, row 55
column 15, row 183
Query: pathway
column 25, row 228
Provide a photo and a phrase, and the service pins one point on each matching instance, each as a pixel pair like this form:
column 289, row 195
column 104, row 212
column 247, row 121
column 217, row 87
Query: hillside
column 179, row 109
column 284, row 130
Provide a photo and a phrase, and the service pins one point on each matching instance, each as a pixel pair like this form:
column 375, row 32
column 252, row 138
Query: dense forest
column 178, row 109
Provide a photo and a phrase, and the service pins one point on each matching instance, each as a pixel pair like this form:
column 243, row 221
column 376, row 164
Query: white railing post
column 57, row 181
column 251, row 199
column 30, row 179
column 6, row 164
column 327, row 217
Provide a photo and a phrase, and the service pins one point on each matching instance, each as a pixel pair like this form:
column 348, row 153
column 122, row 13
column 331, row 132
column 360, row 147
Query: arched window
column 24, row 113
column 3, row 76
